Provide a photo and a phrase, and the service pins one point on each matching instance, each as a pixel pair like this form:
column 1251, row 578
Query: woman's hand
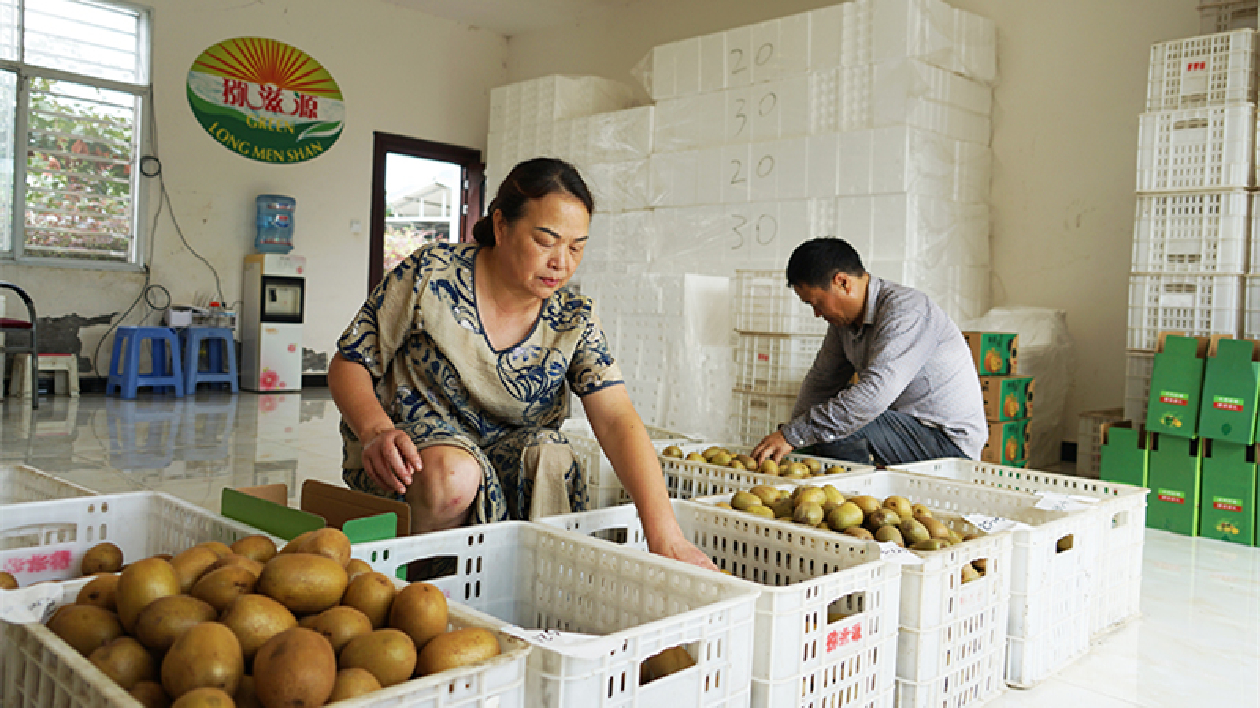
column 391, row 459
column 679, row 548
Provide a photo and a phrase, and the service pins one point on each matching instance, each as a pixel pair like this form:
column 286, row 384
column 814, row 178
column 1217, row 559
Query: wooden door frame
column 471, row 200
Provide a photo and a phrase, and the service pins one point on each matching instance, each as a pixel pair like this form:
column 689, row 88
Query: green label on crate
column 1226, row 403
column 1226, row 504
column 1174, row 398
column 1172, row 495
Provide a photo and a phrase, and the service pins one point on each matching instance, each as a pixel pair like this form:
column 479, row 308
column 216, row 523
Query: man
column 917, row 395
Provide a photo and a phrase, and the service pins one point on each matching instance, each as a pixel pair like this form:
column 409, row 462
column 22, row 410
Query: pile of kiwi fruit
column 788, row 469
column 251, row 625
column 895, row 519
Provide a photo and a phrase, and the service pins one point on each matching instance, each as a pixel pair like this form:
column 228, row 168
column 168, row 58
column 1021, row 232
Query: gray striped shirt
column 909, row 356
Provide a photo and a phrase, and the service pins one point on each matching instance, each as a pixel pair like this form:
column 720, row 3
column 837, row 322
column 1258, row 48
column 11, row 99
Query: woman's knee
column 444, row 489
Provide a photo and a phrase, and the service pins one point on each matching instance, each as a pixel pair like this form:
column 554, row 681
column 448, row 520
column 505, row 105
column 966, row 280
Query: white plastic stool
column 65, row 368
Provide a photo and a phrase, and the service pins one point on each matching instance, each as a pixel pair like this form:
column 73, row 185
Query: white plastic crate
column 1208, row 70
column 46, row 540
column 534, row 576
column 1089, row 439
column 756, row 415
column 41, row 671
column 800, row 658
column 764, row 303
column 1202, row 233
column 1196, row 149
column 1225, row 15
column 1251, row 315
column 23, row 483
column 774, row 364
column 1198, row 305
column 689, row 479
column 1122, row 518
column 1137, row 384
column 603, row 487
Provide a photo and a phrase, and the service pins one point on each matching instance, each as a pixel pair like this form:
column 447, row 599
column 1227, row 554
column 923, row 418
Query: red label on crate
column 38, row 563
column 1171, row 495
column 763, row 357
column 1225, row 403
column 840, row 637
column 1173, row 398
column 1224, row 504
column 1196, row 66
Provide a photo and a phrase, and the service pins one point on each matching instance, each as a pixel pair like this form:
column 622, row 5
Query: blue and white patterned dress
column 440, row 380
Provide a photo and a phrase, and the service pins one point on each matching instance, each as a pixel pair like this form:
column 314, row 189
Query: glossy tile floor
column 1197, row 643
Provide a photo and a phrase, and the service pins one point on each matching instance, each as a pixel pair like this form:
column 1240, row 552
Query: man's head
column 827, row 275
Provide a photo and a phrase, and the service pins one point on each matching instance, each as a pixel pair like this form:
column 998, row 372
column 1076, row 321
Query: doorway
column 422, row 192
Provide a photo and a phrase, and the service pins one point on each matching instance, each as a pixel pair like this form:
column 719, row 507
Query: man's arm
column 830, row 372
column 902, row 342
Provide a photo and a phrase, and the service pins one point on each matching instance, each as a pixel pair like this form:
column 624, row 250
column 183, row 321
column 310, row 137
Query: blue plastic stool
column 217, row 340
column 124, row 367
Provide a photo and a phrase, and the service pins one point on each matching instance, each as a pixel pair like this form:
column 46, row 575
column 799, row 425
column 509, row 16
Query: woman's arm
column 388, row 454
column 624, row 439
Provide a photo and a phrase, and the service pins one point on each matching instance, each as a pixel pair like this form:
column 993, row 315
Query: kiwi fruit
column 372, row 594
column 237, row 561
column 304, row 583
column 724, row 505
column 918, row 510
column 662, row 664
column 782, row 508
column 672, row 451
column 204, row 698
column 150, row 694
column 297, row 667
column 884, row 534
column 85, row 627
column 330, row 543
column 744, row 500
column 721, row 459
column 101, row 591
column 695, row 457
column 101, row 558
column 713, row 451
column 352, row 683
column 866, row 503
column 882, row 517
column 814, row 466
column 736, row 464
column 899, row 504
column 747, row 461
column 833, row 494
column 762, row 511
column 795, row 470
column 357, row 567
column 809, row 495
column 125, row 661
column 768, row 466
column 7, row 581
column 257, row 548
column 808, row 513
column 221, row 587
column 191, row 565
column 166, row 619
column 388, row 654
column 419, row 610
column 140, row 584
column 859, row 532
column 206, row 656
column 969, row 573
column 847, row 515
column 836, row 469
column 913, row 531
column 931, row 544
column 341, row 624
column 765, row 493
column 220, row 549
column 458, row 648
column 255, row 619
column 936, row 529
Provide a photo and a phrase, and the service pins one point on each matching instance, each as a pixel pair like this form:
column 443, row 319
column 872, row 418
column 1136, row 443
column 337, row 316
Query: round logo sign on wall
column 266, row 100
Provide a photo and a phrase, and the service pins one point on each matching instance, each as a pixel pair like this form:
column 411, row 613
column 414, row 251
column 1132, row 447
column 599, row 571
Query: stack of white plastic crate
column 1193, row 220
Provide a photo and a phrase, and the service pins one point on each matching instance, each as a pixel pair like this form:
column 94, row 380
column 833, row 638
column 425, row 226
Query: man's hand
column 390, row 458
column 773, row 446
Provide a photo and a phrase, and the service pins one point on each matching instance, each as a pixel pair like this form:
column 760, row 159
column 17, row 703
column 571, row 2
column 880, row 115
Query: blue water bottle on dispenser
column 275, row 223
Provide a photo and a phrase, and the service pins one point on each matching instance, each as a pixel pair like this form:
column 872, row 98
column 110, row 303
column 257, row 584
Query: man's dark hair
column 532, row 179
column 815, row 262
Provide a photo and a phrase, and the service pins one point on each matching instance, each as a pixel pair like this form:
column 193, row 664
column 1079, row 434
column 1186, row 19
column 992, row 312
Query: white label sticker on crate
column 581, row 646
column 1053, row 501
column 1194, row 77
column 30, row 604
column 993, row 524
column 890, row 551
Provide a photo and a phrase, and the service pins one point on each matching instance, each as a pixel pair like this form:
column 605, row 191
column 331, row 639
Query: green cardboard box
column 1007, row 444
column 1230, row 375
column 1123, row 455
column 1173, row 475
column 995, row 353
column 1227, row 509
column 1176, row 382
column 1007, row 397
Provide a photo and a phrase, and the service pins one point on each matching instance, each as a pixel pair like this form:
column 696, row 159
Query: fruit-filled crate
column 23, row 483
column 602, row 484
column 1121, row 518
column 47, row 540
column 826, row 622
column 42, row 671
column 540, row 578
column 954, row 605
column 691, row 478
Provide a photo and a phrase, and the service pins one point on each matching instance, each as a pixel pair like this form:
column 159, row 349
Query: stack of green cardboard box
column 1008, row 397
column 1198, row 451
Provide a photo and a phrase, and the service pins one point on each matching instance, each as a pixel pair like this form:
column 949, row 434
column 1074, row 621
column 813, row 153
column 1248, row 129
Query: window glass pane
column 8, row 30
column 85, row 38
column 8, row 106
column 79, row 181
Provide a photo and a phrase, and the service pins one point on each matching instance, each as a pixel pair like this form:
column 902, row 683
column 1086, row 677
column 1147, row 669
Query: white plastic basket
column 1122, row 524
column 1225, row 15
column 1251, row 311
column 799, row 658
column 1137, row 384
column 23, row 483
column 603, row 487
column 46, row 540
column 764, row 303
column 1201, row 233
column 755, row 415
column 41, row 671
column 1207, row 70
column 1198, row 305
column 534, row 576
column 1196, row 149
column 1089, row 439
column 774, row 364
column 689, row 479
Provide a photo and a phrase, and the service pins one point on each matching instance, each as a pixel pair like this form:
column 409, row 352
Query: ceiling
column 510, row 17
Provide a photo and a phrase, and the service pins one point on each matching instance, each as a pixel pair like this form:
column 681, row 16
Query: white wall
column 1072, row 83
column 400, row 71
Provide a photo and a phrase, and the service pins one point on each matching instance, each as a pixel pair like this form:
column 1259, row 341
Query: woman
column 451, row 380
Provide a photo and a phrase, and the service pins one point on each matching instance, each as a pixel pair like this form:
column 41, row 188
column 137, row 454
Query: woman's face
column 543, row 248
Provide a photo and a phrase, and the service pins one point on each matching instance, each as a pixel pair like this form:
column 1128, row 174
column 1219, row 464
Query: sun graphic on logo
column 266, row 61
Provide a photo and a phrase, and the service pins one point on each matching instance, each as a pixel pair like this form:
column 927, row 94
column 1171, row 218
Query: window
column 73, row 101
